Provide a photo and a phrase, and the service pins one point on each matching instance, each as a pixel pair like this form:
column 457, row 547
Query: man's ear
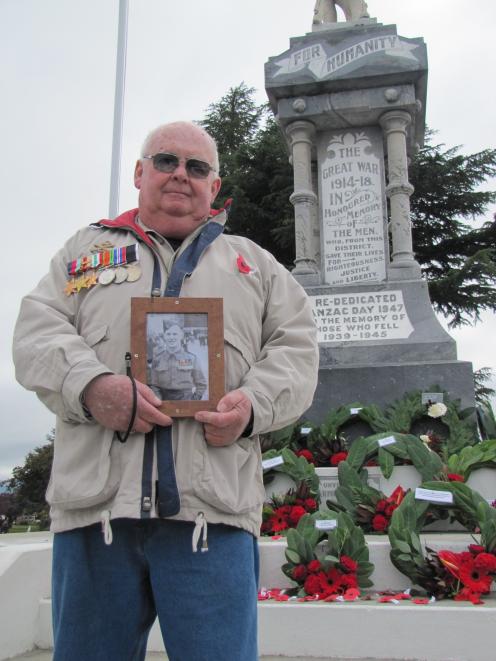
column 216, row 183
column 138, row 172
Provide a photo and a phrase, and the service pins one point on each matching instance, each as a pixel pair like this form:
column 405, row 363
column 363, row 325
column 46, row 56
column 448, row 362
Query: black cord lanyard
column 124, row 438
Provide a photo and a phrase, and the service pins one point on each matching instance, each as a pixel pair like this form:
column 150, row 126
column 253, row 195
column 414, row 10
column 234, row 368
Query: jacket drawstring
column 200, row 524
column 106, row 527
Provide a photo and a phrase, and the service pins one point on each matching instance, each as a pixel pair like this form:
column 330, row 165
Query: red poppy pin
column 243, row 266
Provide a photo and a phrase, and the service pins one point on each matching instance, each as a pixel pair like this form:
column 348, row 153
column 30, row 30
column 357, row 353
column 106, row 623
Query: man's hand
column 109, row 399
column 227, row 425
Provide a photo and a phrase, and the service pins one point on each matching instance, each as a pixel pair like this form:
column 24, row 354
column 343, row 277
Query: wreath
column 462, row 576
column 402, row 414
column 481, row 455
column 385, row 447
column 334, row 570
column 283, row 511
column 368, row 507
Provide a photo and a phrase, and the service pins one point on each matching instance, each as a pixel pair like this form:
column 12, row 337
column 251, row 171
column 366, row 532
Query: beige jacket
column 62, row 342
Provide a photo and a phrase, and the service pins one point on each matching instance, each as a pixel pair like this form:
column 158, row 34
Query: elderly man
column 155, row 493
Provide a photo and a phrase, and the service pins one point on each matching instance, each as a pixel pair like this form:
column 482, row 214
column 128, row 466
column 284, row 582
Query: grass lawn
column 34, row 527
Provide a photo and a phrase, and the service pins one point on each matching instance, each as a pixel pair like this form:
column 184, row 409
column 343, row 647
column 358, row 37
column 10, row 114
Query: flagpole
column 120, row 80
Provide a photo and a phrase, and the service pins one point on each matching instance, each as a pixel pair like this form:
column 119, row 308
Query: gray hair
column 145, row 149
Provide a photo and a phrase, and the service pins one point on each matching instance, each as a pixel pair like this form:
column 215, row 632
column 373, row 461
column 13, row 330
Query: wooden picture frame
column 177, row 348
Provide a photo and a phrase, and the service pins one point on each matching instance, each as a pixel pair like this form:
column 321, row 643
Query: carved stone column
column 403, row 264
column 304, row 198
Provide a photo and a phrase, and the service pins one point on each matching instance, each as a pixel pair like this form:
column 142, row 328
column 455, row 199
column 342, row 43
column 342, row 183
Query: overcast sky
column 57, row 85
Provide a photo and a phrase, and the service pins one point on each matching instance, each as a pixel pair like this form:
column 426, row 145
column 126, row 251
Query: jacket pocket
column 238, row 360
column 86, row 469
column 229, row 478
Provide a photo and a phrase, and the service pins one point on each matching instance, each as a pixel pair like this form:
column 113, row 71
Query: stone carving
column 325, row 10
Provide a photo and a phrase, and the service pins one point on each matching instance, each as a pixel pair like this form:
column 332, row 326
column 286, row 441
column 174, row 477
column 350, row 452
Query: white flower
column 437, row 410
column 426, row 441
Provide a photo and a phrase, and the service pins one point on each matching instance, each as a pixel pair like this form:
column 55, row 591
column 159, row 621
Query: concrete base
column 444, row 631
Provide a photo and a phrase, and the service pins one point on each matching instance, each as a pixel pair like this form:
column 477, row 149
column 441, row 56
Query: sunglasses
column 169, row 162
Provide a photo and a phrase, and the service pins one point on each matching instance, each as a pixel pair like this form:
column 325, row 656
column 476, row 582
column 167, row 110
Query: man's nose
column 180, row 173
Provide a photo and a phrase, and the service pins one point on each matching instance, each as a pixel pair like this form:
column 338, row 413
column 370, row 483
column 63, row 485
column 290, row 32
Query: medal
column 106, row 276
column 120, row 274
column 133, row 272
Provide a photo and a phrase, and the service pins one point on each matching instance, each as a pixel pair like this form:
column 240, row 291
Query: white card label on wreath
column 305, row 431
column 434, row 496
column 326, row 524
column 272, row 463
column 389, row 440
column 432, row 397
column 355, row 411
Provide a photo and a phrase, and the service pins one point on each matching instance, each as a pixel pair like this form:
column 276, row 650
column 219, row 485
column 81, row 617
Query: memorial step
column 362, row 631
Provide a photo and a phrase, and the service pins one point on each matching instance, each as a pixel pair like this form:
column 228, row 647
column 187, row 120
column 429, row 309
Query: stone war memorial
column 350, row 98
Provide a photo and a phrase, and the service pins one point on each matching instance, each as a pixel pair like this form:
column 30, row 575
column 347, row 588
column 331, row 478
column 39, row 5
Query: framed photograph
column 177, row 348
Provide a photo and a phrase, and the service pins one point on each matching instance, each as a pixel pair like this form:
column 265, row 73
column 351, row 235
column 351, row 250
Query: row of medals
column 117, row 274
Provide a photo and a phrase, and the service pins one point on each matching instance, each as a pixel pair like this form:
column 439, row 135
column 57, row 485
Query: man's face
column 174, row 203
column 173, row 338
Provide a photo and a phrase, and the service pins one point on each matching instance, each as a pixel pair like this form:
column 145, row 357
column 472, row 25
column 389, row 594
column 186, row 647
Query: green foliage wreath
column 406, row 447
column 297, row 468
column 341, row 563
column 407, row 554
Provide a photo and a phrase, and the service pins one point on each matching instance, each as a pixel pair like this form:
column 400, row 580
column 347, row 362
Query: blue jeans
column 106, row 598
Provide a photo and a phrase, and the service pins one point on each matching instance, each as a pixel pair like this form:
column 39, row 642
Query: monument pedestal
column 382, row 342
column 350, row 98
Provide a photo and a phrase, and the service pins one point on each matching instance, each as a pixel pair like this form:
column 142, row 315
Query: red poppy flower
column 307, row 454
column 466, row 594
column 334, row 581
column 296, row 513
column 379, row 523
column 314, row 566
column 311, row 504
column 477, row 580
column 486, row 562
column 338, row 457
column 349, row 581
column 476, row 548
column 348, row 563
column 299, row 573
column 455, row 477
column 381, row 505
column 351, row 594
column 313, row 585
column 277, row 522
column 243, row 267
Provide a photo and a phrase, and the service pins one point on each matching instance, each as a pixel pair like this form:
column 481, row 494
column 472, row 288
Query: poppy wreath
column 385, row 447
column 369, row 508
column 335, row 570
column 326, row 445
column 445, row 574
column 472, row 457
column 403, row 413
column 284, row 511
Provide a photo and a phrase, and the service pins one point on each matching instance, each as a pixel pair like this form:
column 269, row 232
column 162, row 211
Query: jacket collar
column 128, row 221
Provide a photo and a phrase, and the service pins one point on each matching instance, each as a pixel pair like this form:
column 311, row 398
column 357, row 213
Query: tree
column 459, row 261
column 233, row 122
column 29, row 482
